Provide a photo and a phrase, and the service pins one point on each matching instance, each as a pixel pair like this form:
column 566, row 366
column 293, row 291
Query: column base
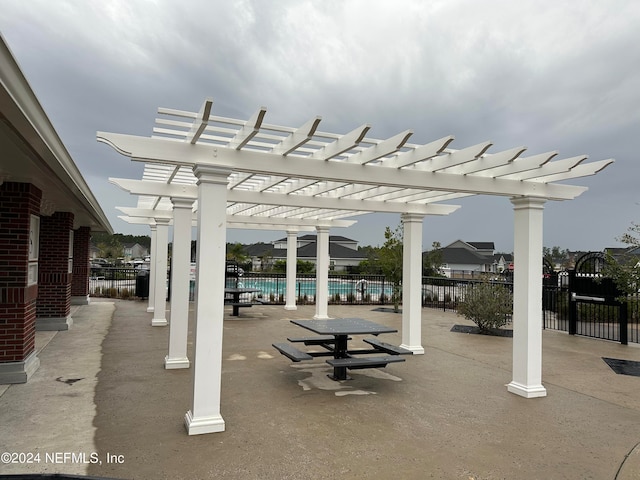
column 416, row 349
column 527, row 392
column 199, row 426
column 290, row 307
column 80, row 300
column 19, row 372
column 159, row 322
column 176, row 363
column 150, row 309
column 53, row 324
column 321, row 317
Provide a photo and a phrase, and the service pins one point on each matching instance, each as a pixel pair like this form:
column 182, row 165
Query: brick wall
column 54, row 279
column 18, row 201
column 80, row 278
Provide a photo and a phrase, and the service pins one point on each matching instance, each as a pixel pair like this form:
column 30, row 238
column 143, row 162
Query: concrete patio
column 102, row 391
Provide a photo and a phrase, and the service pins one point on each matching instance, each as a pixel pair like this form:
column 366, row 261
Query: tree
column 390, row 262
column 625, row 269
column 432, row 261
column 110, row 248
column 235, row 252
column 302, row 266
column 556, row 255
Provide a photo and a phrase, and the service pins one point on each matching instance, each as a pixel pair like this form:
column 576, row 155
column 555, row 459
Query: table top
column 344, row 326
column 241, row 290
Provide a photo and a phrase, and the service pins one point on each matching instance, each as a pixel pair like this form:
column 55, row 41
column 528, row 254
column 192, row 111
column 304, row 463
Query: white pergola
column 253, row 174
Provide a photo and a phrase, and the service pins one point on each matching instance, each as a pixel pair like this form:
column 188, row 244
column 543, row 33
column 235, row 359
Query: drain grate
column 623, row 367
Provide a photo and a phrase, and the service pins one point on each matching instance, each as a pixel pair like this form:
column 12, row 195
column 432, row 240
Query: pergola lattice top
column 309, row 175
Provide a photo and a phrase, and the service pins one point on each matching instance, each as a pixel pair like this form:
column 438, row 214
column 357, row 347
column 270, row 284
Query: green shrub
column 487, row 304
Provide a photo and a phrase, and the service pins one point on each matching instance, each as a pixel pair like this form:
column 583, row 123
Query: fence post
column 573, row 305
column 623, row 320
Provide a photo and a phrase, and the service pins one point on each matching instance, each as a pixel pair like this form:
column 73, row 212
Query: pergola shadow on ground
column 438, row 415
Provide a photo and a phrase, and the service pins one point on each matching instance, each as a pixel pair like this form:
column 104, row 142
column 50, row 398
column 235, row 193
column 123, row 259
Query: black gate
column 594, row 310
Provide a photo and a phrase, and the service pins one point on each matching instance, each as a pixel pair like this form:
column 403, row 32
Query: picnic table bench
column 363, row 362
column 333, row 336
column 232, row 298
column 292, row 352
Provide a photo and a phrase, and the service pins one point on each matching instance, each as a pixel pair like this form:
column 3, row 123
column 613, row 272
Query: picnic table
column 232, row 297
column 333, row 335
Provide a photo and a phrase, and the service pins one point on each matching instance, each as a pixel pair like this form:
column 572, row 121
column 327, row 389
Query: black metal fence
column 447, row 293
column 343, row 289
column 560, row 309
column 113, row 282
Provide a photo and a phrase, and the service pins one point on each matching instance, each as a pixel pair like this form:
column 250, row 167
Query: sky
column 546, row 75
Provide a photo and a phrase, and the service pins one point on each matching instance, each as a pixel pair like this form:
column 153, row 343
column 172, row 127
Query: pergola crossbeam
column 341, row 145
column 249, row 130
column 382, row 149
column 420, row 153
column 520, row 164
column 551, row 168
column 454, row 158
column 200, row 122
column 579, row 171
column 486, row 161
column 298, row 138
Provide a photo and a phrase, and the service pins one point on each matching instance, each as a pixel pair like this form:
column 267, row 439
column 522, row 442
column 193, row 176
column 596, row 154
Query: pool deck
column 102, row 390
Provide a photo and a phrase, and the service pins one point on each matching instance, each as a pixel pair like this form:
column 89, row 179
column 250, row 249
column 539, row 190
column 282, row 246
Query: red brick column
column 54, row 277
column 18, row 360
column 80, row 277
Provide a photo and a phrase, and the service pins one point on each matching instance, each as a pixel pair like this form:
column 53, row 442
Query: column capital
column 211, row 174
column 322, row 228
column 182, row 202
column 528, row 202
column 411, row 217
column 161, row 221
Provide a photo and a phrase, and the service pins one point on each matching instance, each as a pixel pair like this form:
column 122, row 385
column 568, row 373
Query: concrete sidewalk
column 446, row 414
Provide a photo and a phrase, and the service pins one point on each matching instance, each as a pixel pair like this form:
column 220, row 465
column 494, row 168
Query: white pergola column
column 204, row 416
column 160, row 273
column 527, row 298
column 180, row 270
column 292, row 260
column 412, row 283
column 152, row 256
column 322, row 273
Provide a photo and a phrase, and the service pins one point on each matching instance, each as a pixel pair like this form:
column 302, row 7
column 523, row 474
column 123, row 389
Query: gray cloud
column 560, row 78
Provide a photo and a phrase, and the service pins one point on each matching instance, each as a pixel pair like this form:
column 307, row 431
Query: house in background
column 343, row 252
column 464, row 259
column 134, row 251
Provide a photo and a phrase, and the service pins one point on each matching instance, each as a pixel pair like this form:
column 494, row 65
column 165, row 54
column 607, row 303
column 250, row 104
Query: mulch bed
column 496, row 332
column 623, row 367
